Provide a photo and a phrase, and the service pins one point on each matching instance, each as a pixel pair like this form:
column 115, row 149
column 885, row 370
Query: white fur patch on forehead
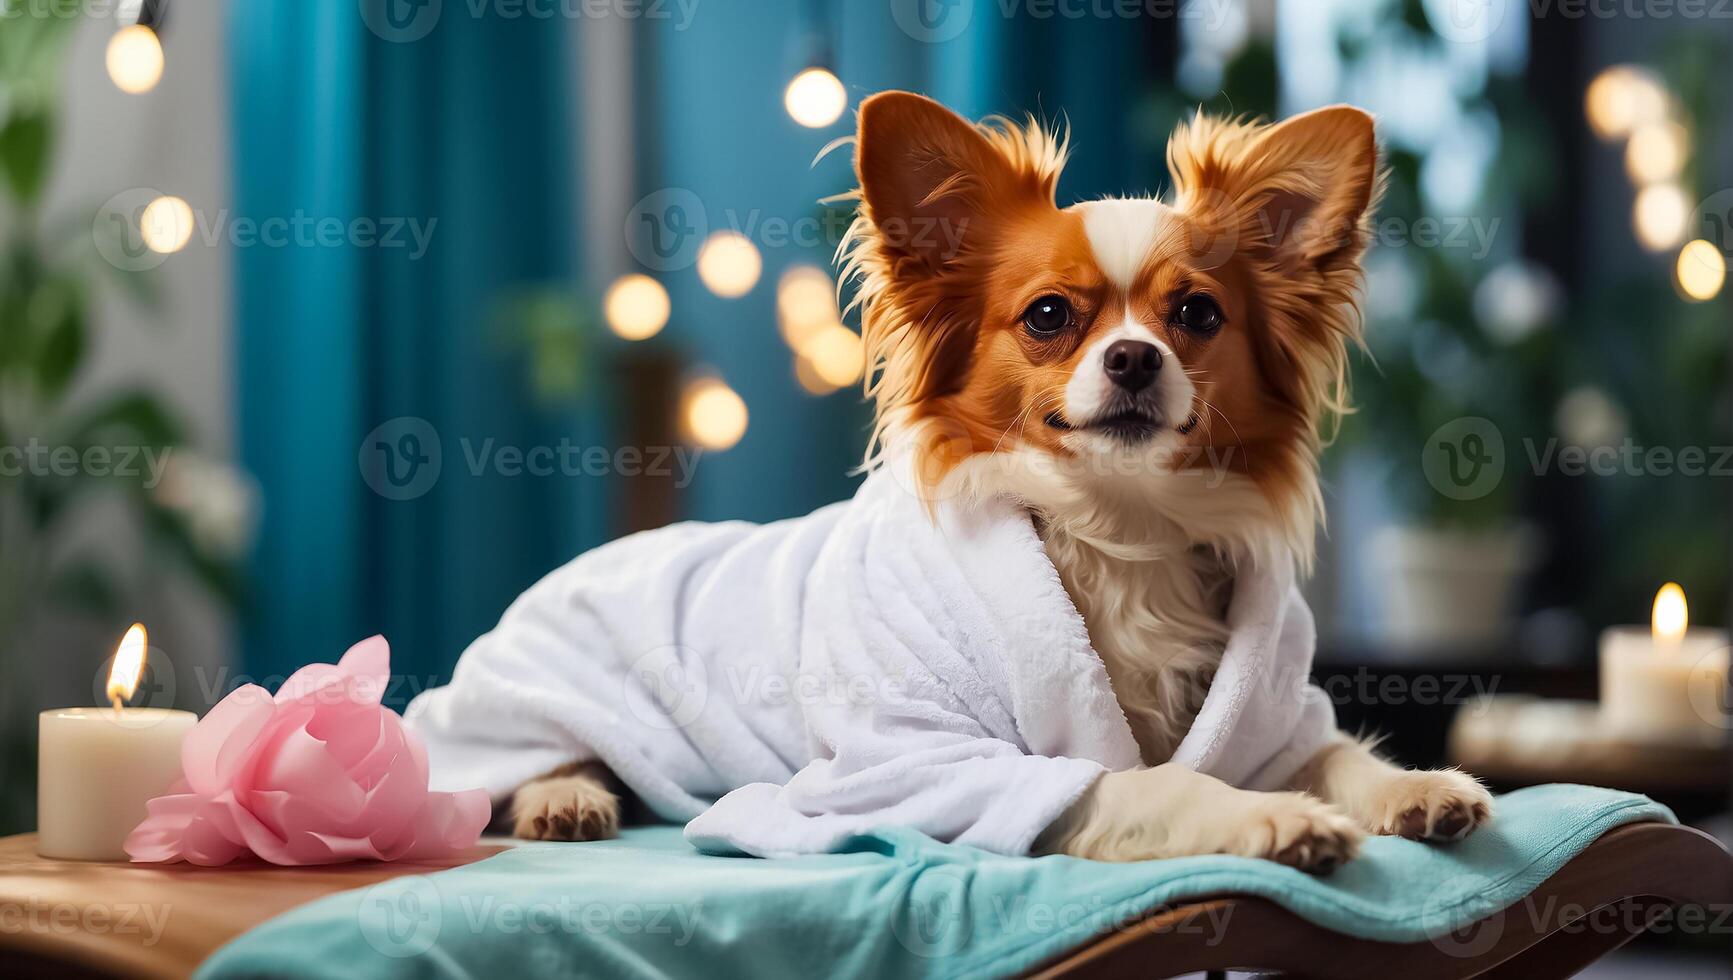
column 1122, row 234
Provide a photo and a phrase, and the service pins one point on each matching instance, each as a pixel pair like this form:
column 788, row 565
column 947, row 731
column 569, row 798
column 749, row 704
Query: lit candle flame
column 1670, row 616
column 128, row 665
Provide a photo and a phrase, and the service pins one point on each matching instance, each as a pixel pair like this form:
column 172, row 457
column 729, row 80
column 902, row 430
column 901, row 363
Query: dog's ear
column 1300, row 192
column 933, row 183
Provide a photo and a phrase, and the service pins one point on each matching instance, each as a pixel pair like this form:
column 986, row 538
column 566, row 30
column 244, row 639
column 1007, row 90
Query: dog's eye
column 1047, row 316
column 1199, row 314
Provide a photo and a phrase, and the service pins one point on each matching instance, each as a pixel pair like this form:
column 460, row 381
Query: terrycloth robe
column 785, row 686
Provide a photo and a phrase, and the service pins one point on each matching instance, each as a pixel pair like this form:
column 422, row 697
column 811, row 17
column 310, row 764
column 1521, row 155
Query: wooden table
column 88, row 919
column 1514, row 740
column 66, row 919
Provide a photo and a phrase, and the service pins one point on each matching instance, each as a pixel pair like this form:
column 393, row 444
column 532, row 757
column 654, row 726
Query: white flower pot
column 1448, row 590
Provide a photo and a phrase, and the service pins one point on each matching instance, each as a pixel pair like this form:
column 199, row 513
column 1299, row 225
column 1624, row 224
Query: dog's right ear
column 932, row 182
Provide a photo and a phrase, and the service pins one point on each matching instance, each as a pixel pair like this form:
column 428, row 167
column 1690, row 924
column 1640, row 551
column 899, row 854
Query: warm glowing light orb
column 135, row 59
column 1661, row 216
column 836, row 355
column 815, row 98
column 166, row 225
column 1656, row 152
column 805, row 304
column 715, row 415
column 1670, row 617
column 636, row 306
column 1621, row 98
column 729, row 265
column 809, row 378
column 1700, row 271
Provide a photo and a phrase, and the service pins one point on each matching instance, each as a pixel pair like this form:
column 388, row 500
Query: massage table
column 68, row 919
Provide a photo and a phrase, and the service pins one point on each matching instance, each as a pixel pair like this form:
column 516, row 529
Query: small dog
column 1152, row 379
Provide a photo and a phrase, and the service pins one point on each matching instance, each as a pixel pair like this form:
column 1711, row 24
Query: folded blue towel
column 894, row 904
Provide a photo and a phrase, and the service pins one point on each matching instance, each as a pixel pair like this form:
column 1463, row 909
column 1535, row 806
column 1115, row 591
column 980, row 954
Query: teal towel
column 894, row 904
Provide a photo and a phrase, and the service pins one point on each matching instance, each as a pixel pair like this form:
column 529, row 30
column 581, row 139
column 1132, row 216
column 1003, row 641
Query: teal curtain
column 448, row 160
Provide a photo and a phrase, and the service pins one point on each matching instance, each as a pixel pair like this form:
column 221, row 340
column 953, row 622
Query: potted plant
column 51, row 430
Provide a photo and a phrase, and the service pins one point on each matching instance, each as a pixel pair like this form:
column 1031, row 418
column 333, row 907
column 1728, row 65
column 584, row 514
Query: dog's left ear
column 1300, row 192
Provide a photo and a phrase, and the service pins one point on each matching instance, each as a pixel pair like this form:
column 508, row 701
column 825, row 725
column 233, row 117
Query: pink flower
column 319, row 774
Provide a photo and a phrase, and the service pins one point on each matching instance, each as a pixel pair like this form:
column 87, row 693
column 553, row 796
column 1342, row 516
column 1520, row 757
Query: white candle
column 99, row 766
column 1668, row 682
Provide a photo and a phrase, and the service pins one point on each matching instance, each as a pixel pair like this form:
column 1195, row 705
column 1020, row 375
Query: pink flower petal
column 298, row 764
column 370, row 768
column 158, row 836
column 216, row 744
column 309, row 680
column 206, row 845
column 393, row 804
column 351, row 730
column 318, row 774
column 448, row 822
column 370, row 663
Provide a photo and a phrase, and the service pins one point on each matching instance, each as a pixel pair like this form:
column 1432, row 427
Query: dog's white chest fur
column 1158, row 625
column 1149, row 563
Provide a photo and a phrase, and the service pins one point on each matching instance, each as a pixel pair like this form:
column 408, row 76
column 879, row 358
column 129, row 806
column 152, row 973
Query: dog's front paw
column 569, row 808
column 1295, row 829
column 1446, row 805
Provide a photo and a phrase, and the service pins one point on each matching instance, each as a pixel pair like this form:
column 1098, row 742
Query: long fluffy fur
column 909, row 356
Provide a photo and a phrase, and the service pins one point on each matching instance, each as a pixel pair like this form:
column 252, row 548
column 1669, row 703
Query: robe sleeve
column 913, row 763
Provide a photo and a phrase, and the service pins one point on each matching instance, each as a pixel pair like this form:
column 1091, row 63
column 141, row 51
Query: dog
column 1153, row 379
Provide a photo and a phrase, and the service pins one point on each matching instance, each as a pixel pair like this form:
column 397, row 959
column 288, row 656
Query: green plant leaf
column 60, row 350
column 138, row 415
column 25, row 142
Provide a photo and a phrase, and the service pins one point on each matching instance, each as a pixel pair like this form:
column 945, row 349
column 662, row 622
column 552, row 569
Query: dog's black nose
column 1132, row 364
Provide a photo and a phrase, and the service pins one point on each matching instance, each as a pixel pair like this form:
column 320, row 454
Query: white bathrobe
column 786, row 686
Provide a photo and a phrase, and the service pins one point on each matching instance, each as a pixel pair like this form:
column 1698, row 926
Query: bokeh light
column 166, row 225
column 1656, row 152
column 729, row 265
column 815, row 98
column 1661, row 216
column 636, row 307
column 810, row 380
column 714, row 414
column 1700, row 271
column 135, row 59
column 836, row 355
column 1589, row 417
column 1622, row 98
column 805, row 304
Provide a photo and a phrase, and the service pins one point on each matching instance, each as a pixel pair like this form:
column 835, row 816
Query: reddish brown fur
column 1272, row 228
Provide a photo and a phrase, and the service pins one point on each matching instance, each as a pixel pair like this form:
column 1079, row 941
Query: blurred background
column 319, row 320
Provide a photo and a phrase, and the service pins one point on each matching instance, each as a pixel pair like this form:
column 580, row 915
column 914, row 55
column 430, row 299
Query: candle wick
column 115, row 700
